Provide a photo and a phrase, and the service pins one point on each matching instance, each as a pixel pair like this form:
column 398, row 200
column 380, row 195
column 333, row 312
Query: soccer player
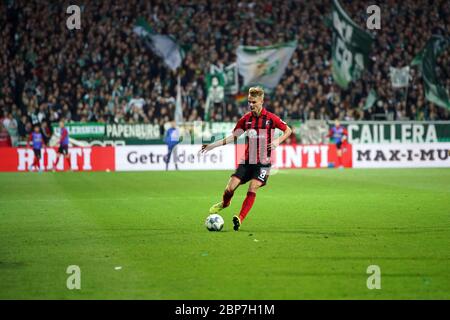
column 63, row 145
column 259, row 125
column 339, row 135
column 172, row 139
column 37, row 140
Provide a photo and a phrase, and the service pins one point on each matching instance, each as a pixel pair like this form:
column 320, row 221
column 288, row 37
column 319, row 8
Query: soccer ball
column 214, row 222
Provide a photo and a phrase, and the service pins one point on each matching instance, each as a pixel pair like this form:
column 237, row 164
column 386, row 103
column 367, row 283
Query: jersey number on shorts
column 262, row 174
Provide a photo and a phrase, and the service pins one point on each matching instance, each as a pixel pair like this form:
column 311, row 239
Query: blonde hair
column 256, row 92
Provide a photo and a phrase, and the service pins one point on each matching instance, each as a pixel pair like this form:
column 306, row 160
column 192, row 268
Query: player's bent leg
column 58, row 159
column 55, row 162
column 167, row 159
column 232, row 185
column 247, row 204
column 38, row 161
column 254, row 185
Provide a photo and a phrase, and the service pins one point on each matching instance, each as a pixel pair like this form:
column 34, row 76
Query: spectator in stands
column 50, row 72
column 5, row 139
column 10, row 124
column 46, row 132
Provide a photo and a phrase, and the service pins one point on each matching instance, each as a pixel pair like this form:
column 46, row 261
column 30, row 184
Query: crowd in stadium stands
column 103, row 72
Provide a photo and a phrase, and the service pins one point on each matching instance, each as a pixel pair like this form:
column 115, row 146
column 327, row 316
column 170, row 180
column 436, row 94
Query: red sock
column 226, row 199
column 338, row 161
column 36, row 162
column 55, row 163
column 247, row 205
column 68, row 161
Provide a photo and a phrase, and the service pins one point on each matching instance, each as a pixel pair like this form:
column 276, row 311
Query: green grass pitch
column 310, row 235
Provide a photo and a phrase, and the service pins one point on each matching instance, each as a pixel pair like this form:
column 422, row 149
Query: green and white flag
column 264, row 65
column 399, row 76
column 417, row 61
column 426, row 60
column 228, row 77
column 162, row 45
column 370, row 100
column 350, row 47
column 231, row 79
column 215, row 88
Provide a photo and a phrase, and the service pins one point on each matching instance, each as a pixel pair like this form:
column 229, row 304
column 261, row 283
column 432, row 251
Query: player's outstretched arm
column 209, row 147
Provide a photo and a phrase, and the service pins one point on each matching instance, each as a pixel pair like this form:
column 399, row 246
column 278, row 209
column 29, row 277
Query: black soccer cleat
column 236, row 223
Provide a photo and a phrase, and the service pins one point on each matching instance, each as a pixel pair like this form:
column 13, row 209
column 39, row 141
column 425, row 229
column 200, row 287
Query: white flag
column 264, row 65
column 399, row 77
column 178, row 104
column 162, row 45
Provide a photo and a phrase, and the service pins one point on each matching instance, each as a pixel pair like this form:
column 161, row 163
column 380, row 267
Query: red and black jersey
column 259, row 134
